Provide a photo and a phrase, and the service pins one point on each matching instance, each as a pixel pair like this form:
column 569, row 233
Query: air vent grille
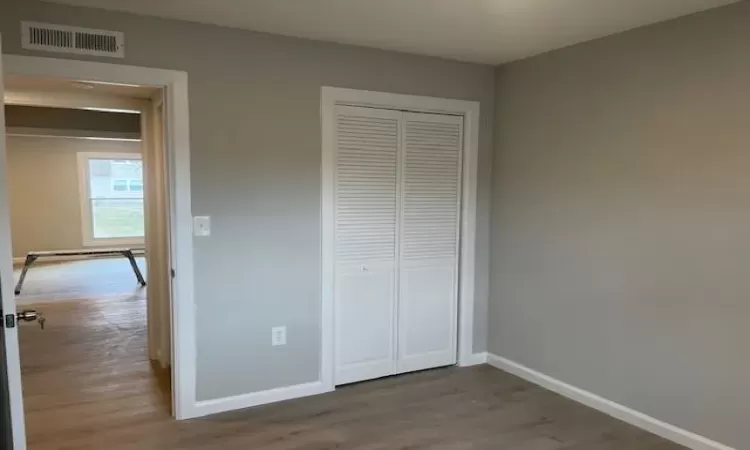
column 96, row 42
column 56, row 38
column 65, row 39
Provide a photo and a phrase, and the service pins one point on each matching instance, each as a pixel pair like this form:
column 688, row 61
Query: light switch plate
column 202, row 226
column 278, row 336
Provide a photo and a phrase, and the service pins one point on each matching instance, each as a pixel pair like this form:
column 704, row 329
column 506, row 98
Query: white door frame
column 8, row 305
column 159, row 242
column 175, row 85
column 330, row 97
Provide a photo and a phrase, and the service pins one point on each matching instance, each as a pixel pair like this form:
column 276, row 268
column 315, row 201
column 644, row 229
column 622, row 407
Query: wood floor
column 89, row 385
column 94, row 278
column 88, row 370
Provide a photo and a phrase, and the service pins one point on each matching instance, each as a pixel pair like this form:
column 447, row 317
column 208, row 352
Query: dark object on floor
column 125, row 252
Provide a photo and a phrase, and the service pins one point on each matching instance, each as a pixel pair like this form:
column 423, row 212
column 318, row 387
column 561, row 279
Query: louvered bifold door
column 366, row 160
column 429, row 240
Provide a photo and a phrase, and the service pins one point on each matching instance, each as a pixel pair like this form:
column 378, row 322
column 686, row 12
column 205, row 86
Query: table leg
column 129, row 254
column 26, row 265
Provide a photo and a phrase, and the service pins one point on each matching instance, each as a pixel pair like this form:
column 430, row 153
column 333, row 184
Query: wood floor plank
column 88, row 384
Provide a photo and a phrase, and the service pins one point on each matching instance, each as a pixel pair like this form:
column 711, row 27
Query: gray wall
column 71, row 119
column 621, row 219
column 45, row 206
column 255, row 142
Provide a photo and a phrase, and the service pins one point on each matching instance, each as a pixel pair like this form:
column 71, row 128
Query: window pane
column 120, row 185
column 117, row 218
column 116, row 195
column 136, row 186
column 114, row 178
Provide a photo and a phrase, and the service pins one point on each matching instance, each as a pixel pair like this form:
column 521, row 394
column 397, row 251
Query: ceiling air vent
column 65, row 39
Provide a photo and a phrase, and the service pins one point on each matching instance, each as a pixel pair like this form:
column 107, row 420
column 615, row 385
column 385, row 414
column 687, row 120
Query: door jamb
column 11, row 351
column 175, row 85
column 330, row 97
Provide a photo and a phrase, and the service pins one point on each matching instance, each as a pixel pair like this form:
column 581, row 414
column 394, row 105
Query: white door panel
column 429, row 235
column 397, row 209
column 427, row 312
column 365, row 326
column 365, row 189
column 12, row 432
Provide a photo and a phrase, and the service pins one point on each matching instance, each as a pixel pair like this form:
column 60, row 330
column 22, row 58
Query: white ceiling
column 483, row 31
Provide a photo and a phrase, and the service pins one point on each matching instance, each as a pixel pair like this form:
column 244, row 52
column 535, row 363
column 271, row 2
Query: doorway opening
column 90, row 233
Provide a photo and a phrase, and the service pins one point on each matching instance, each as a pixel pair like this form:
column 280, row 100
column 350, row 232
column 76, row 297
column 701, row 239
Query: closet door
column 429, row 236
column 367, row 149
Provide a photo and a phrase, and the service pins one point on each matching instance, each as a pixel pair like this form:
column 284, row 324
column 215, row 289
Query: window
column 111, row 198
column 127, row 185
column 120, row 185
column 135, row 185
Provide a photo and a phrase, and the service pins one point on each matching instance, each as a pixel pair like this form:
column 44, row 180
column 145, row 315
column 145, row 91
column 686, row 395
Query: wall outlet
column 278, row 336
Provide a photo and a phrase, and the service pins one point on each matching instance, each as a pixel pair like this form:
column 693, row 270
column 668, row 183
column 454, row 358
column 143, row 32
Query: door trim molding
column 330, row 97
column 175, row 84
column 16, row 436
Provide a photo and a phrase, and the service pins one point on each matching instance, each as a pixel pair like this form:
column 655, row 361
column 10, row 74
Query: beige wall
column 621, row 219
column 256, row 157
column 45, row 205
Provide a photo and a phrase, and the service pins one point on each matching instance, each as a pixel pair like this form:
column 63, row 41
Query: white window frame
column 87, row 218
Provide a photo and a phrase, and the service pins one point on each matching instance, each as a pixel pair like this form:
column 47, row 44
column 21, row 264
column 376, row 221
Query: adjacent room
column 375, row 225
column 78, row 156
column 76, row 187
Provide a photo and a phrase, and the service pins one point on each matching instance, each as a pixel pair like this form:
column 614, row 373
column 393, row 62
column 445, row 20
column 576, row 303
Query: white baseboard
column 208, row 407
column 631, row 416
column 473, row 360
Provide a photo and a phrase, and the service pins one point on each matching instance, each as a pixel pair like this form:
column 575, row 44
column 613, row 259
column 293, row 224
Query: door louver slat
column 431, row 192
column 365, row 189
